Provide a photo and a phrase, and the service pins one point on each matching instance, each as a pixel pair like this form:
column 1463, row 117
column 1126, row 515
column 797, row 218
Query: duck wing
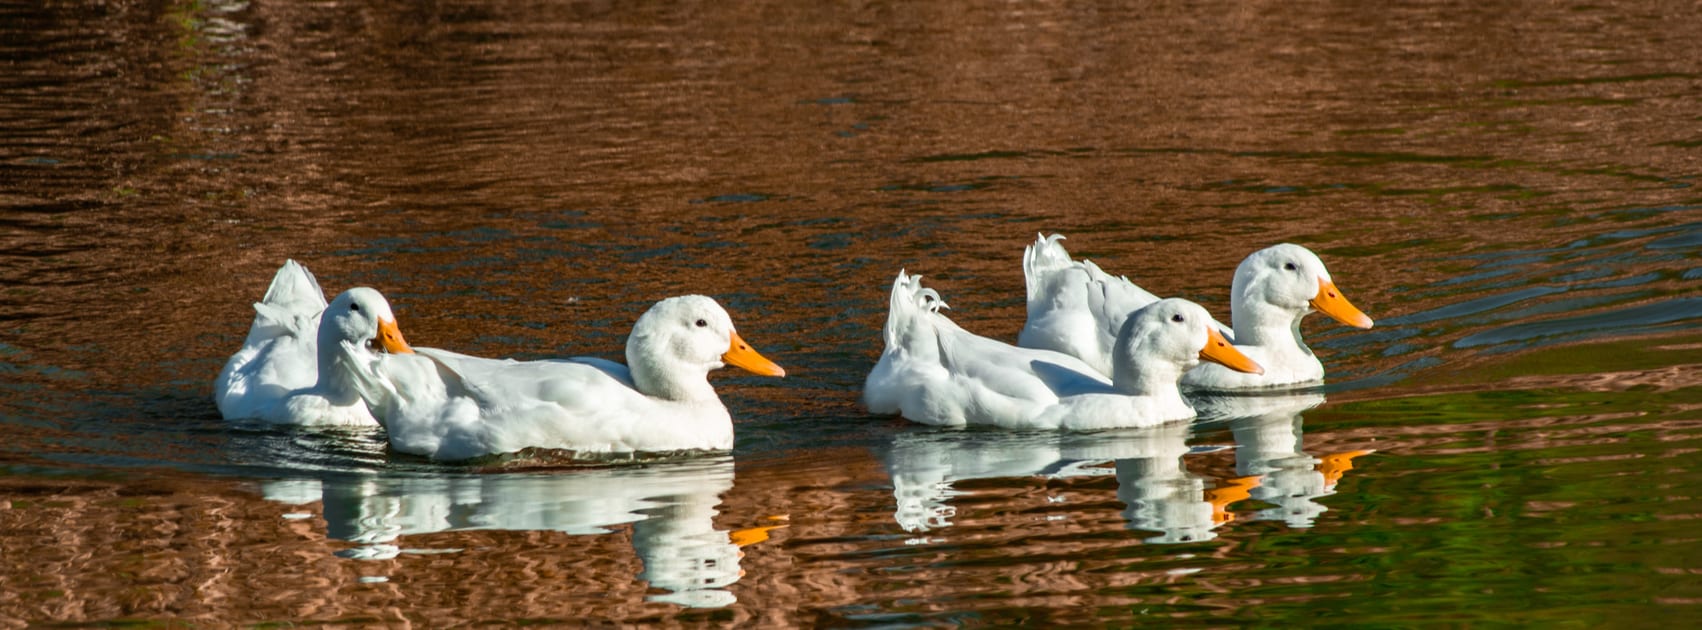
column 1075, row 307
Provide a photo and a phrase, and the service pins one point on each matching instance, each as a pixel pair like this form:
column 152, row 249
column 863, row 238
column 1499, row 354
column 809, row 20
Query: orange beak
column 390, row 338
column 740, row 354
column 1331, row 302
column 1219, row 350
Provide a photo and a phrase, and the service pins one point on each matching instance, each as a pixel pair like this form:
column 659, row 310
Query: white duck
column 934, row 372
column 450, row 406
column 1077, row 309
column 290, row 370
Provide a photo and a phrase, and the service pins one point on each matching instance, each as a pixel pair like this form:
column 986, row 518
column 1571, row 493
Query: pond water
column 1508, row 189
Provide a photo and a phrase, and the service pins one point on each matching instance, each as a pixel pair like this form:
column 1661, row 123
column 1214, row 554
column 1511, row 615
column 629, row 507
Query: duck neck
column 1153, row 378
column 1264, row 324
column 657, row 378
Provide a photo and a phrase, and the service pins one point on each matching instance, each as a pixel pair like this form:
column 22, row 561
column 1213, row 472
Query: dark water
column 1508, row 188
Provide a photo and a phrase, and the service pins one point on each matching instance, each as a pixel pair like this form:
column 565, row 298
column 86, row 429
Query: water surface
column 1508, row 189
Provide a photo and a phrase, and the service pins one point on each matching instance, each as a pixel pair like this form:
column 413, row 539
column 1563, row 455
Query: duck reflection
column 1268, row 444
column 924, row 464
column 1161, row 494
column 671, row 507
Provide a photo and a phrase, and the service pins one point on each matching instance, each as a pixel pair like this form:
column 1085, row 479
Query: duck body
column 1074, row 307
column 934, row 372
column 287, row 371
column 280, row 353
column 1292, row 365
column 450, row 406
column 1072, row 304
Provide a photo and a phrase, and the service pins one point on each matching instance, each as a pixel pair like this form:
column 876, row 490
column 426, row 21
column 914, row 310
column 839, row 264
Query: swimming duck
column 934, row 372
column 1076, row 308
column 450, row 406
column 289, row 369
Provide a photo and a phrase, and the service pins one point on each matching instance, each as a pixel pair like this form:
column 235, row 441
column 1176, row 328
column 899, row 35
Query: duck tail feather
column 1046, row 255
column 909, row 302
column 294, row 284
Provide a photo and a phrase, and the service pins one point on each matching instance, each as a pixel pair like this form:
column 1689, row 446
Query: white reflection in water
column 1161, row 494
column 1269, row 446
column 671, row 508
column 923, row 466
column 1153, row 481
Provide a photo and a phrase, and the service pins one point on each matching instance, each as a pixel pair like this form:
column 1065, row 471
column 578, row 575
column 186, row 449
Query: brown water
column 1508, row 188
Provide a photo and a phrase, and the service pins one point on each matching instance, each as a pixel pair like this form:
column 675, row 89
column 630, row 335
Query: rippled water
column 1507, row 188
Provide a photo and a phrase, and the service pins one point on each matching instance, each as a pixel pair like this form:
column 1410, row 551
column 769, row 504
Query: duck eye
column 1290, row 266
column 701, row 323
column 355, row 307
column 1177, row 318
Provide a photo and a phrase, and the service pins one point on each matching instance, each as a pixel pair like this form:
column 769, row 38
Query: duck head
column 676, row 343
column 359, row 320
column 1163, row 339
column 1282, row 283
column 362, row 316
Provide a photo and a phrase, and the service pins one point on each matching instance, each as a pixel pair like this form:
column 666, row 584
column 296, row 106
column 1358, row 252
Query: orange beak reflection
column 390, row 338
column 753, row 535
column 1219, row 350
column 1334, row 465
column 741, row 355
column 1232, row 490
column 1331, row 302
